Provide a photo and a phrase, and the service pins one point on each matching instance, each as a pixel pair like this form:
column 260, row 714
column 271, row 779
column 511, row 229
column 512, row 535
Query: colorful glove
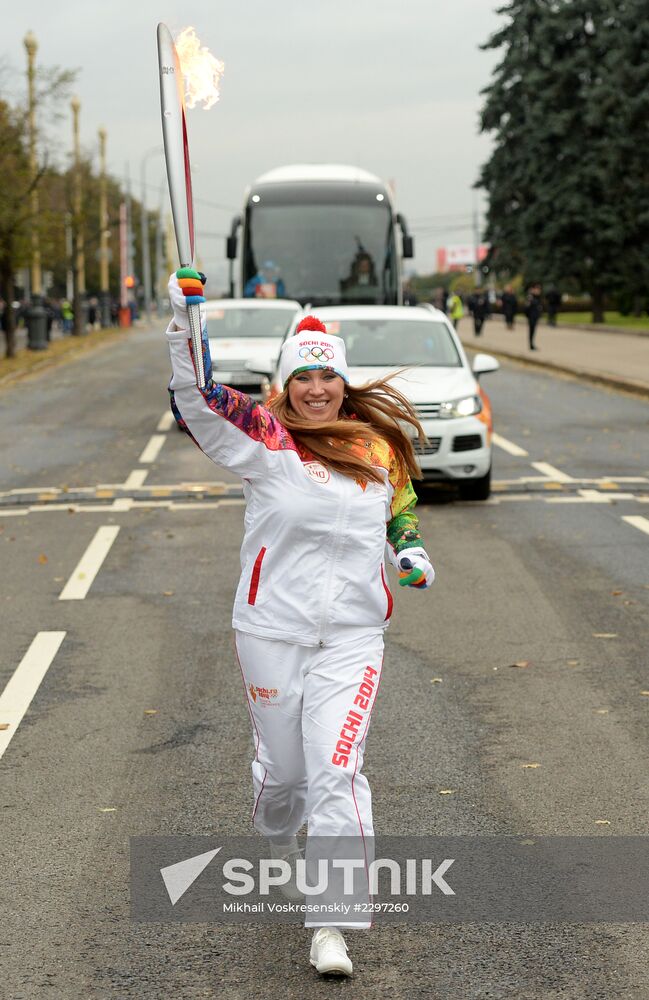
column 415, row 569
column 185, row 288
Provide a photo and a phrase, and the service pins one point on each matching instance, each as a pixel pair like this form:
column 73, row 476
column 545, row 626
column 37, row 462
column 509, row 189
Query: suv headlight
column 468, row 406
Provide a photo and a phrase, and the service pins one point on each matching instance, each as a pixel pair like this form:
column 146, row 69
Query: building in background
column 459, row 257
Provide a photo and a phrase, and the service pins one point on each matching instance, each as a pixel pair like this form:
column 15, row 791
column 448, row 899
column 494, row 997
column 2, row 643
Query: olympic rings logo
column 316, row 353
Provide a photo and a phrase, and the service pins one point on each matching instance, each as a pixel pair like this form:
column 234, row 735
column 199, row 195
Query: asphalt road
column 139, row 725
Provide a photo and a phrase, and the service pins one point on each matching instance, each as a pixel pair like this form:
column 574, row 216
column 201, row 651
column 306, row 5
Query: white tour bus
column 319, row 233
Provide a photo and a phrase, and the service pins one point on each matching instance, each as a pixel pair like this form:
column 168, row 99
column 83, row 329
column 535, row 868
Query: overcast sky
column 391, row 87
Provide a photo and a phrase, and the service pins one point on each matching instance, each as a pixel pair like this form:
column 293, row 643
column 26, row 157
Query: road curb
column 609, row 381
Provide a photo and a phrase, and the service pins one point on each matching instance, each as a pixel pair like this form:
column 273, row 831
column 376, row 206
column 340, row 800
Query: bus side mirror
column 408, row 246
column 231, row 247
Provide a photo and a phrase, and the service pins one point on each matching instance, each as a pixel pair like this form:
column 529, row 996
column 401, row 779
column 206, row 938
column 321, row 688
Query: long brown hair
column 370, row 412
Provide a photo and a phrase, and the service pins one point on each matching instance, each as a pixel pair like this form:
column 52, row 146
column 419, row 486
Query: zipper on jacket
column 344, row 504
column 254, row 579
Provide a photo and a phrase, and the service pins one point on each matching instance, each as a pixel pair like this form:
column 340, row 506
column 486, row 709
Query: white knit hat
column 312, row 347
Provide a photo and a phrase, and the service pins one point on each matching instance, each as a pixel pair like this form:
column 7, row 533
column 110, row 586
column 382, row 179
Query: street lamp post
column 146, row 254
column 104, row 235
column 36, row 316
column 79, row 268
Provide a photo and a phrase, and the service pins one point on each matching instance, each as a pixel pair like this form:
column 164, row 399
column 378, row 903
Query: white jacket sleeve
column 228, row 426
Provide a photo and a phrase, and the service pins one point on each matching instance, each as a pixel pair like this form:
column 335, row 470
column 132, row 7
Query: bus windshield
column 322, row 252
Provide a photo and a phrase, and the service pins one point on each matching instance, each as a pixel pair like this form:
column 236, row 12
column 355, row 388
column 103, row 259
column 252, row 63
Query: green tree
column 567, row 179
column 16, row 219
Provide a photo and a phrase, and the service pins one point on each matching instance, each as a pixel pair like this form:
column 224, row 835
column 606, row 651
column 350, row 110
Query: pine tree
column 567, row 179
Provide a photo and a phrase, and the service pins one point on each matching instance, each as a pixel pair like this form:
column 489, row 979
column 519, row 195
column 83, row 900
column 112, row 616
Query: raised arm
column 232, row 429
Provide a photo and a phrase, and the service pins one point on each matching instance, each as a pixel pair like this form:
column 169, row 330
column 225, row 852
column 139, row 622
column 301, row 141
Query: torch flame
column 202, row 71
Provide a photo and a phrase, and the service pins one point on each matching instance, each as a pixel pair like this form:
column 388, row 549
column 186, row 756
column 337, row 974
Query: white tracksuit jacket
column 313, row 554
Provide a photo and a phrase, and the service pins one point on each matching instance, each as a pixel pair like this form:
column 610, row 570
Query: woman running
column 326, row 475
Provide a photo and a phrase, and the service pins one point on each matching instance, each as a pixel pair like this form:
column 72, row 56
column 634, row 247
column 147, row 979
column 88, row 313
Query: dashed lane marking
column 136, row 479
column 152, row 449
column 636, row 521
column 551, row 473
column 17, row 695
column 90, row 563
column 509, row 446
column 166, row 421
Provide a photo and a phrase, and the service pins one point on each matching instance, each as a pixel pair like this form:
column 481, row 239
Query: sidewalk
column 619, row 360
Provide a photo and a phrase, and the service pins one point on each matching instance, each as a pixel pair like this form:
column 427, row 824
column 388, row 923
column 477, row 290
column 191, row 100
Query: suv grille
column 430, row 448
column 427, row 411
column 467, row 442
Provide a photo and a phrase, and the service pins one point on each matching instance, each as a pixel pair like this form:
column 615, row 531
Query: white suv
column 453, row 408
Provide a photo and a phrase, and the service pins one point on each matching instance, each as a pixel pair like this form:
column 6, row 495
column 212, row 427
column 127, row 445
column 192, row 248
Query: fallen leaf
column 520, row 663
column 616, row 593
column 150, row 711
column 446, row 791
column 604, row 635
column 602, row 822
column 436, row 680
column 168, row 593
column 4, row 725
column 42, row 559
column 530, row 765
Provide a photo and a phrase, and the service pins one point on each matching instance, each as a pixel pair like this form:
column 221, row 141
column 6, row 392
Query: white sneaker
column 329, row 952
column 290, row 853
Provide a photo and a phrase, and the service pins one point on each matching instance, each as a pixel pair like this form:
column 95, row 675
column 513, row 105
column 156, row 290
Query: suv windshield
column 396, row 342
column 248, row 322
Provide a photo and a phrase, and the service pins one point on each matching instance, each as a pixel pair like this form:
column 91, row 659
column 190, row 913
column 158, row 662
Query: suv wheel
column 476, row 489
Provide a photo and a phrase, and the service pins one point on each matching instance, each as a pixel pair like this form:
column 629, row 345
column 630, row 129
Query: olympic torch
column 205, row 71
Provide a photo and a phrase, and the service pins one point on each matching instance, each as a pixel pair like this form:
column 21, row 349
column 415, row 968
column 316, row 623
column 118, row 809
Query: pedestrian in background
column 480, row 309
column 454, row 309
column 509, row 304
column 533, row 311
column 553, row 302
column 67, row 315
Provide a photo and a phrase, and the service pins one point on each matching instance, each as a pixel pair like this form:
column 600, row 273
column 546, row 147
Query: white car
column 239, row 329
column 453, row 408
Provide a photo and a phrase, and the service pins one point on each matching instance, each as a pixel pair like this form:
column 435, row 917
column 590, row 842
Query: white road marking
column 508, row 446
column 135, row 479
column 595, row 496
column 639, row 522
column 551, row 473
column 166, row 421
column 152, row 449
column 23, row 685
column 90, row 563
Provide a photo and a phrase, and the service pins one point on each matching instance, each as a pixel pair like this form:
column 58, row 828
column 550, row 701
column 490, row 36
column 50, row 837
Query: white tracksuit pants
column 310, row 709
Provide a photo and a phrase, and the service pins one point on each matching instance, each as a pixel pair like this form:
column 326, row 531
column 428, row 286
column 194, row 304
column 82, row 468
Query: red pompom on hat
column 311, row 323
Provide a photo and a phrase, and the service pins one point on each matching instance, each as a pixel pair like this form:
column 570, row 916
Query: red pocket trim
column 387, row 594
column 254, row 580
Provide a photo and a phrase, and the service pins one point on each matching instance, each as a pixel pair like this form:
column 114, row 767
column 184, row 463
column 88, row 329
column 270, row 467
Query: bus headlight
column 468, row 406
